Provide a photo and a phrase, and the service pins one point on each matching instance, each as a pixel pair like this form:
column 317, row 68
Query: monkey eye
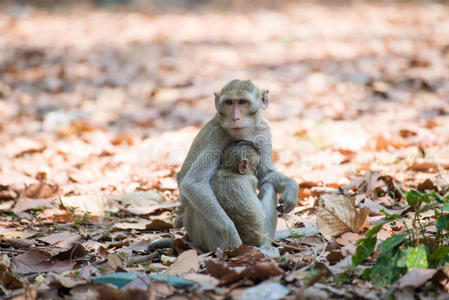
column 228, row 102
column 243, row 101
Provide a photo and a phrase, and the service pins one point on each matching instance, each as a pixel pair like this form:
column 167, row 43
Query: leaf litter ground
column 99, row 105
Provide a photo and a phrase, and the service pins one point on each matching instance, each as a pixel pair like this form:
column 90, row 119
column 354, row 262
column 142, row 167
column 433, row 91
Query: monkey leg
column 267, row 196
column 200, row 231
column 179, row 219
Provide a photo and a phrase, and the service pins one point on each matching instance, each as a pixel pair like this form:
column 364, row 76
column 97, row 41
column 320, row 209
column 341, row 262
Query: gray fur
column 205, row 220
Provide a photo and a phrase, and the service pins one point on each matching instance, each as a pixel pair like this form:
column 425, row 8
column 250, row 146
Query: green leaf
column 439, row 253
column 392, row 242
column 364, row 250
column 402, row 260
column 437, row 197
column 367, row 273
column 442, row 222
column 414, row 198
column 417, row 258
column 446, row 206
column 372, row 232
column 386, row 269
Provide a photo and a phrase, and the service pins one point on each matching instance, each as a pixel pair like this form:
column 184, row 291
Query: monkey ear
column 217, row 96
column 265, row 98
column 243, row 166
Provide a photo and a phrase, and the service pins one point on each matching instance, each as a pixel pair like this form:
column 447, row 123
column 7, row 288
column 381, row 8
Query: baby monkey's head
column 241, row 157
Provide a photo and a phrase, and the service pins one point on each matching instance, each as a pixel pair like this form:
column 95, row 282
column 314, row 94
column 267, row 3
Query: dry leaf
column 61, row 240
column 41, row 190
column 416, row 277
column 39, row 260
column 187, row 261
column 337, row 214
column 115, row 262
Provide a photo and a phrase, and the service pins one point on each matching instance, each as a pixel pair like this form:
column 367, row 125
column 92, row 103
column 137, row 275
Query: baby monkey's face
column 242, row 159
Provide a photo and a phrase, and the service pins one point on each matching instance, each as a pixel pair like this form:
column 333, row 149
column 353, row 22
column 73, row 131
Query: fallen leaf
column 24, row 204
column 115, row 262
column 39, row 260
column 61, row 240
column 337, row 214
column 206, row 281
column 335, row 256
column 174, row 280
column 375, row 208
column 416, row 277
column 187, row 262
column 168, row 183
column 348, row 238
column 158, row 224
column 41, row 190
column 56, row 279
column 265, row 290
column 139, row 199
column 19, row 243
column 119, row 279
column 147, row 210
column 94, row 204
column 141, row 225
column 9, row 281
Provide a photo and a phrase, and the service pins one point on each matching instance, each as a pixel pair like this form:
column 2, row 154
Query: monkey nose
column 235, row 118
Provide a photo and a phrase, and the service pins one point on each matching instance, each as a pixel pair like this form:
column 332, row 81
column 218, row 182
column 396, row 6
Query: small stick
column 279, row 243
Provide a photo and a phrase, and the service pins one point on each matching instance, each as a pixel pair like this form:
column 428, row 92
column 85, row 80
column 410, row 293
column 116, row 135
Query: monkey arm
column 285, row 185
column 268, row 175
column 196, row 189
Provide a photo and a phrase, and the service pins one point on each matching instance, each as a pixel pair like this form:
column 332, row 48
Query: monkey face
column 239, row 106
column 236, row 114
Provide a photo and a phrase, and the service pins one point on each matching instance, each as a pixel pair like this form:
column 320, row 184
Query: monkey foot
column 269, row 250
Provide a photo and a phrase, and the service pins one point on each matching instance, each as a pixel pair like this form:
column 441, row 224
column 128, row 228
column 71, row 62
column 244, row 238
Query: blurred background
column 106, row 96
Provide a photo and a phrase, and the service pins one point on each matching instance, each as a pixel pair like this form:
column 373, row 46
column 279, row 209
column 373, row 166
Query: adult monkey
column 239, row 117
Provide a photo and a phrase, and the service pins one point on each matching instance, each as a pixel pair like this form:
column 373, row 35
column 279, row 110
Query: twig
column 278, row 243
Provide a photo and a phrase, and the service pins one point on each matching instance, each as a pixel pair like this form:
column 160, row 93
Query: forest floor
column 98, row 107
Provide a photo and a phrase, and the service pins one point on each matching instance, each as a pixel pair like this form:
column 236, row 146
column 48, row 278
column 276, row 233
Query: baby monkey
column 235, row 184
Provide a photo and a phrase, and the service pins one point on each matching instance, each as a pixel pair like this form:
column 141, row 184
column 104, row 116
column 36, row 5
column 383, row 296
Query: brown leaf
column 228, row 274
column 56, row 279
column 9, row 281
column 337, row 214
column 41, row 190
column 348, row 238
column 39, row 260
column 428, row 166
column 6, row 193
column 61, row 240
column 115, row 262
column 20, row 243
column 335, row 256
column 159, row 290
column 158, row 224
column 24, row 204
column 244, row 250
column 187, row 262
column 206, row 282
column 147, row 210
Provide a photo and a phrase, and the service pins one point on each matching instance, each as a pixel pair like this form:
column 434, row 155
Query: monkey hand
column 289, row 198
column 230, row 236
